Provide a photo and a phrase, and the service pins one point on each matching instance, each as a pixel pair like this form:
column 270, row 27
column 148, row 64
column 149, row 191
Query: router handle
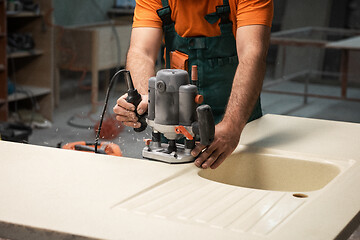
column 135, row 98
column 206, row 124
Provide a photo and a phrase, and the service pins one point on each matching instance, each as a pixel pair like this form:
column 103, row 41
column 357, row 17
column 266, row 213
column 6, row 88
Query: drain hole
column 300, row 195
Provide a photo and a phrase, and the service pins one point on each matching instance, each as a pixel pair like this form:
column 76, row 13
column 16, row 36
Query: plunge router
column 174, row 112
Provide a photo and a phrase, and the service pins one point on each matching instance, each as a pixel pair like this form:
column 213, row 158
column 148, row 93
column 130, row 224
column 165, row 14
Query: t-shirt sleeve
column 145, row 14
column 252, row 12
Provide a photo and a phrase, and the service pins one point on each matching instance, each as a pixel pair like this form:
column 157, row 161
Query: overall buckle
column 223, row 12
column 165, row 15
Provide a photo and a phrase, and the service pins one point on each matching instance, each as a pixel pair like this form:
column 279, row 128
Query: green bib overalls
column 215, row 57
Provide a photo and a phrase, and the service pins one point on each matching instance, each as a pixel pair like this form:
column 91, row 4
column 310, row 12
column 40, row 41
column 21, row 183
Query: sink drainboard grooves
column 148, row 189
column 217, row 205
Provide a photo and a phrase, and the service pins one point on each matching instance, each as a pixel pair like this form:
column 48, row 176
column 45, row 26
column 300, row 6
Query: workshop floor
column 75, row 105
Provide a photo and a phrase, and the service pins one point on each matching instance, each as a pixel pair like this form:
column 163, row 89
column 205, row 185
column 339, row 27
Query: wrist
column 233, row 124
column 231, row 127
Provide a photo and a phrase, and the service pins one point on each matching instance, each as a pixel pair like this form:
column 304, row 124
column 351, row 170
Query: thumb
column 143, row 105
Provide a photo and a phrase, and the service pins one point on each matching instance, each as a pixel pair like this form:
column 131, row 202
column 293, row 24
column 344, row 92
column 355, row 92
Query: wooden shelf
column 33, row 69
column 3, row 73
column 25, row 92
column 23, row 14
column 22, row 54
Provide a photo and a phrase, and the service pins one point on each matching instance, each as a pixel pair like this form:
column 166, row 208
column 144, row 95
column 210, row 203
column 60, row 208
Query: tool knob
column 194, row 73
column 199, row 99
column 147, row 142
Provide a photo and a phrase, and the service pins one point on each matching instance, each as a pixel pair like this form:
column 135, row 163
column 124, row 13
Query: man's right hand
column 125, row 112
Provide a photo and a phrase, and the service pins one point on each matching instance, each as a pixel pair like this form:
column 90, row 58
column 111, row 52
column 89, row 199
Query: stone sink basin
column 263, row 171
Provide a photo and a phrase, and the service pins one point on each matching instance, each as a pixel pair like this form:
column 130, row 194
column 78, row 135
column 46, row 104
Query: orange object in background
column 107, row 148
column 111, row 128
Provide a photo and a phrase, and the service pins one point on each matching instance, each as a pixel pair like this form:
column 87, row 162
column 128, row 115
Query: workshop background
column 57, row 57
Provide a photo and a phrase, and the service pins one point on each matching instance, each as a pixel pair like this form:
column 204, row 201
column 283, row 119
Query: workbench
column 49, row 193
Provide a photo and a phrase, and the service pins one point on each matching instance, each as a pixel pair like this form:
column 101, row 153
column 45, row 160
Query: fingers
column 124, row 115
column 125, row 112
column 124, row 104
column 219, row 161
column 197, row 150
column 143, row 105
column 132, row 124
column 206, row 156
column 210, row 156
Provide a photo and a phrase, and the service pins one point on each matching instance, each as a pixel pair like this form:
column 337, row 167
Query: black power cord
column 105, row 106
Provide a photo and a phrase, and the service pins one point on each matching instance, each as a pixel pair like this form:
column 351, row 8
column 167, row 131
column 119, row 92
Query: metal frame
column 301, row 37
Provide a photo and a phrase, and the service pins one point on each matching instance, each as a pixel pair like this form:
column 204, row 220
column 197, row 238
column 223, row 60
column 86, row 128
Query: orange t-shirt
column 189, row 15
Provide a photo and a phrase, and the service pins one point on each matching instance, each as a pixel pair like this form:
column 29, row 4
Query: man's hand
column 125, row 112
column 225, row 142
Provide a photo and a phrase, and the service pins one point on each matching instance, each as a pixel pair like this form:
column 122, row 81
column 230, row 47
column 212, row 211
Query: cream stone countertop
column 49, row 193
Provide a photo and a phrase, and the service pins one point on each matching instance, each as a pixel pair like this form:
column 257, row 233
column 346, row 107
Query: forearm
column 141, row 68
column 245, row 92
column 144, row 48
column 252, row 43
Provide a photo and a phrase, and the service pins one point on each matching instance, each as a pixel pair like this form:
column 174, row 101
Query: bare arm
column 252, row 44
column 141, row 57
column 144, row 47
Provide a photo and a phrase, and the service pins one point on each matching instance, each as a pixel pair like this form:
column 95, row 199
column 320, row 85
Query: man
column 226, row 39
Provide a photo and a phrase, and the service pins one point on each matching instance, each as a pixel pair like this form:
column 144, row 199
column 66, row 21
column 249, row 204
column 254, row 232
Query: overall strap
column 222, row 13
column 165, row 13
column 165, row 3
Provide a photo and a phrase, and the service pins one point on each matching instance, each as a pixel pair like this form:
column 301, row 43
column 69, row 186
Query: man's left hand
column 225, row 142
